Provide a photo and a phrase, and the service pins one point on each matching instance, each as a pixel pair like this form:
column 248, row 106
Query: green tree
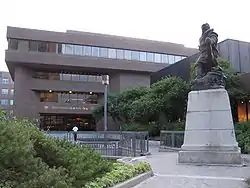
column 166, row 98
column 119, row 104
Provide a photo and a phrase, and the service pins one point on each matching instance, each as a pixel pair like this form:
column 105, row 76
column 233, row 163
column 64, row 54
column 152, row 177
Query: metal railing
column 173, row 139
column 109, row 143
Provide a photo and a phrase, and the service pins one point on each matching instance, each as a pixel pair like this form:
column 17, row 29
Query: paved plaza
column 170, row 175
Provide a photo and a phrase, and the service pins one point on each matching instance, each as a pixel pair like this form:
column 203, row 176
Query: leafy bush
column 243, row 136
column 120, row 172
column 29, row 158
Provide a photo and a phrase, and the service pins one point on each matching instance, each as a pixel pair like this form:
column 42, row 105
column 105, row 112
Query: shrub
column 120, row 172
column 29, row 158
column 243, row 136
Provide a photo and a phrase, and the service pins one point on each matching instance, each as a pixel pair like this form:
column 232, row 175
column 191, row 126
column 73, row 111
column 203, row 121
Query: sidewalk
column 168, row 174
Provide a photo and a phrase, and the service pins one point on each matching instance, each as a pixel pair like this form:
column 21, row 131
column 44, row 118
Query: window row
column 66, row 76
column 7, row 91
column 72, row 98
column 5, row 102
column 112, row 53
column 119, row 54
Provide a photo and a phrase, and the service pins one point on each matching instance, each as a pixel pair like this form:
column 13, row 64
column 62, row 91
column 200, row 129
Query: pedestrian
column 75, row 129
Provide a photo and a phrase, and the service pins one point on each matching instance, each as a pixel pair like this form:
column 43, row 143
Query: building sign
column 69, row 108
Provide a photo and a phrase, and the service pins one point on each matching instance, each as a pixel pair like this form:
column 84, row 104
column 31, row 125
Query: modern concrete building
column 7, row 92
column 58, row 75
column 236, row 52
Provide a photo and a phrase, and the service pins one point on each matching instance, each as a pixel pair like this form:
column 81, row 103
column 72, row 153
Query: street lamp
column 105, row 82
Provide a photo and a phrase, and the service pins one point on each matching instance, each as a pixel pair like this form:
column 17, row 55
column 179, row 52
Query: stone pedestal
column 209, row 131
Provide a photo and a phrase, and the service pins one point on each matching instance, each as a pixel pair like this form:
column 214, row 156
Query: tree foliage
column 143, row 104
column 166, row 100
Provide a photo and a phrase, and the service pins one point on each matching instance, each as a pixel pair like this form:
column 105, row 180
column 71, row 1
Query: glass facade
column 68, row 77
column 95, row 51
column 67, row 122
column 71, row 98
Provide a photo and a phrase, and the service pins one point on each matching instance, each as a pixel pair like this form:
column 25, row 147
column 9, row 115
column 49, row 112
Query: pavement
column 169, row 174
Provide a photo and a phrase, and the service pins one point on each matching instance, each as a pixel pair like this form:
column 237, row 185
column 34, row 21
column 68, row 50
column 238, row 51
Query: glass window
column 171, row 59
column 11, row 102
column 78, row 50
column 120, row 54
column 164, row 58
column 33, row 45
column 127, row 54
column 42, row 47
column 69, row 49
column 112, row 53
column 75, row 77
column 143, row 56
column 5, row 80
column 103, row 52
column 66, row 76
column 4, row 102
column 95, row 51
column 87, row 50
column 84, row 78
column 59, row 48
column 150, row 57
column 13, row 44
column 157, row 58
column 5, row 91
column 12, row 91
column 135, row 55
column 178, row 58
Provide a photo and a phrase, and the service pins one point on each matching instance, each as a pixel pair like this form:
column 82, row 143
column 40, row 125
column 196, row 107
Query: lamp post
column 105, row 82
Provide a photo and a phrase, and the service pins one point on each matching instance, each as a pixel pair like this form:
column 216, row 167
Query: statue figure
column 208, row 73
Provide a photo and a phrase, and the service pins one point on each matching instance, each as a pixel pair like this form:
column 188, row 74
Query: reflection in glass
column 127, row 54
column 78, row 50
column 68, row 49
column 135, row 55
column 178, row 58
column 103, row 52
column 164, row 58
column 143, row 56
column 120, row 54
column 157, row 58
column 171, row 59
column 112, row 53
column 150, row 57
column 87, row 50
column 95, row 51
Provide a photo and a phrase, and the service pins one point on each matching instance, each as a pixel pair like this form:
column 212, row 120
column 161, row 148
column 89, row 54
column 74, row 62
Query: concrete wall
column 122, row 81
column 26, row 100
column 237, row 53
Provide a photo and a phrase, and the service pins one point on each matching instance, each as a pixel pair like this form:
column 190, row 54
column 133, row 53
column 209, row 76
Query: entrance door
column 67, row 122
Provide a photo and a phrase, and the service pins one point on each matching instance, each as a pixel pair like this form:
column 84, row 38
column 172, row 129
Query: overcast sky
column 176, row 21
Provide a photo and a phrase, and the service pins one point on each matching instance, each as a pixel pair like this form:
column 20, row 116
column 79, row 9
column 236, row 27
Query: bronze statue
column 208, row 73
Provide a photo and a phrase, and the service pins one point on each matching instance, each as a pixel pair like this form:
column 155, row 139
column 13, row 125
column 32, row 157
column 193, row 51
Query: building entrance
column 62, row 122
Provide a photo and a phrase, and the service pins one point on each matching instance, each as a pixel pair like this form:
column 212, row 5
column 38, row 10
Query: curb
column 134, row 181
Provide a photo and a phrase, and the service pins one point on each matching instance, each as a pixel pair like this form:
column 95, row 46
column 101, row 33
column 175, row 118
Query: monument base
column 210, row 157
column 209, row 130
